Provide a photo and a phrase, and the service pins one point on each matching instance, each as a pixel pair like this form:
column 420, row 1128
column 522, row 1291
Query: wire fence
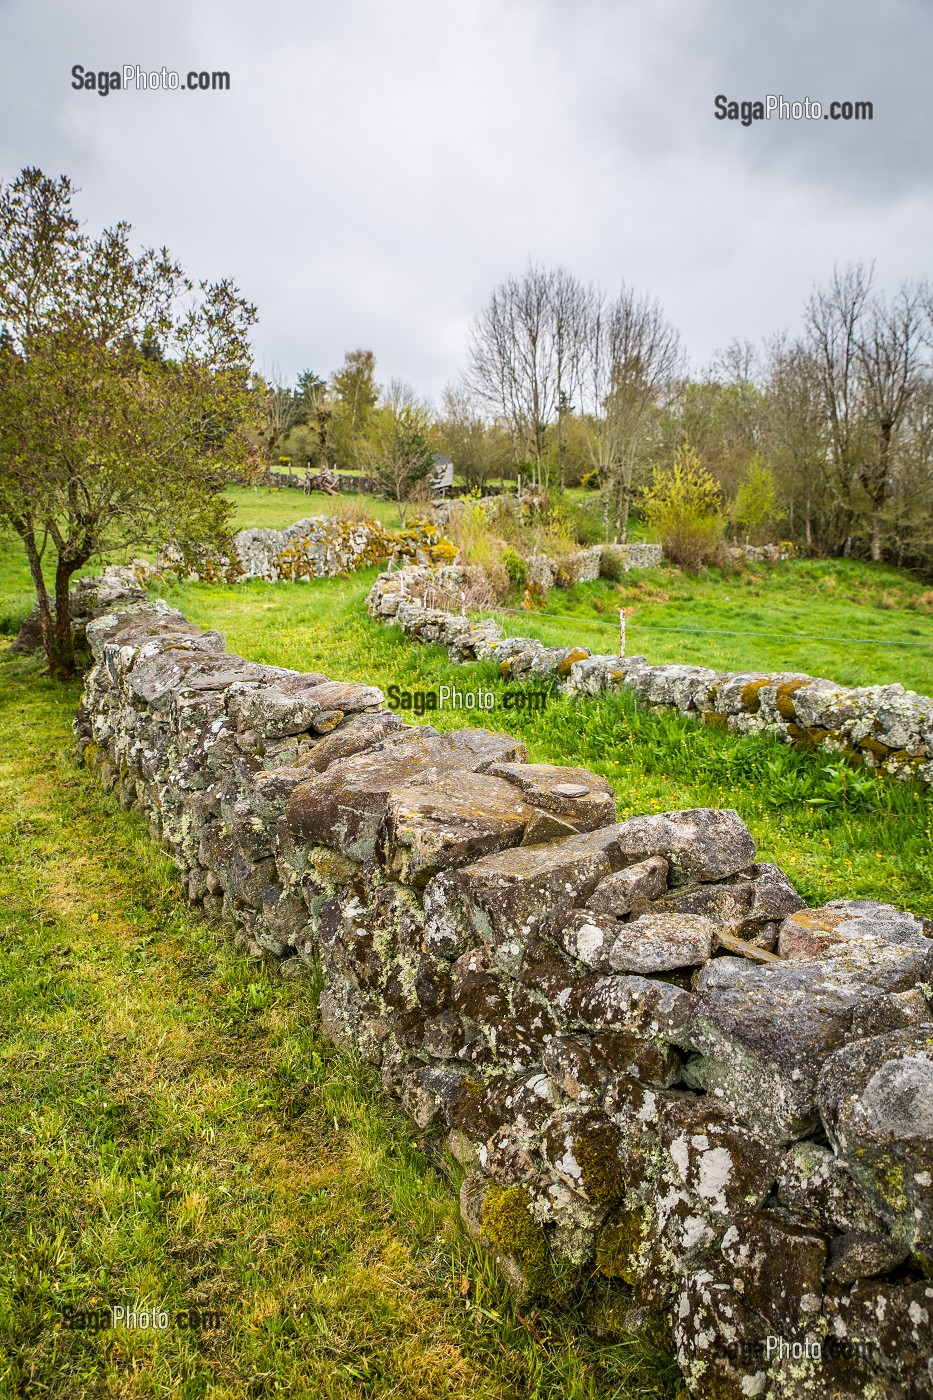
column 481, row 614
column 706, row 631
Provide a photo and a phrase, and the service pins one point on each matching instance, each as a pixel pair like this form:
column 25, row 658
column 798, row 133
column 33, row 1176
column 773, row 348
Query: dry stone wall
column 885, row 727
column 669, row 1080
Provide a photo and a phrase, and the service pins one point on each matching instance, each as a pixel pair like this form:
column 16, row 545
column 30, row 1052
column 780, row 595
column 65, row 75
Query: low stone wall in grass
column 679, row 1093
column 884, row 727
column 320, row 546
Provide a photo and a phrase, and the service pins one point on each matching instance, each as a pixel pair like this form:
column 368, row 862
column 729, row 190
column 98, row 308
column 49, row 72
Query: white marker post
column 621, row 631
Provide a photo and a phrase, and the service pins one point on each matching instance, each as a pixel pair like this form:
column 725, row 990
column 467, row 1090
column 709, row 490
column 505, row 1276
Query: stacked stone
column 883, row 727
column 655, row 1063
column 318, row 547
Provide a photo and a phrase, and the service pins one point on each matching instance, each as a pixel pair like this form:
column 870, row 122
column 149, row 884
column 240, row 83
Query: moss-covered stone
column 712, row 720
column 750, row 698
column 576, row 654
column 618, row 1244
column 784, row 698
column 510, row 1227
column 598, row 1150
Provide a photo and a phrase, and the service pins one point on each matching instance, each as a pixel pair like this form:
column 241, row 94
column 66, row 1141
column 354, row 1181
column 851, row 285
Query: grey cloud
column 376, row 169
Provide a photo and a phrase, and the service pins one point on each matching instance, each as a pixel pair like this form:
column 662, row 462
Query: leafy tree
column 756, row 503
column 124, row 396
column 398, row 450
column 355, row 394
column 682, row 506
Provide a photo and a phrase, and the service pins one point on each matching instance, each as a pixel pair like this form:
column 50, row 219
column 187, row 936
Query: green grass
column 273, row 508
column 177, row 1134
column 864, row 610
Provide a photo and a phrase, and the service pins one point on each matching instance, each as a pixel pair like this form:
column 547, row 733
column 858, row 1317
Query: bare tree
column 526, row 349
column 280, row 410
column 890, row 352
column 797, row 441
column 870, row 362
column 632, row 365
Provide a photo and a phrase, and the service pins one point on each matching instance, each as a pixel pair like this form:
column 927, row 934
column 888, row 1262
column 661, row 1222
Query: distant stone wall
column 344, row 481
column 885, row 727
column 321, row 546
column 660, row 1069
column 318, row 547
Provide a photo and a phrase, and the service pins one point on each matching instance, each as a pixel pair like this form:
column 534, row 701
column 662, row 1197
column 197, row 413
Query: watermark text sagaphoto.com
column 448, row 697
column 137, row 1318
column 748, row 110
column 131, row 77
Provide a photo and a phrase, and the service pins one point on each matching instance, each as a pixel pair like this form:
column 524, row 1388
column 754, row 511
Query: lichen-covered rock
column 810, row 933
column 876, row 1103
column 451, row 821
column 619, row 893
column 575, row 794
column 346, row 808
column 582, row 1066
column 742, row 904
column 662, row 942
column 700, row 844
column 507, row 899
column 766, row 1032
column 891, row 1323
column 636, row 1004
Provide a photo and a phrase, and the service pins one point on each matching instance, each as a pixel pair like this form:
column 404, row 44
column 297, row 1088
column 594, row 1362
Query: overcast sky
column 379, row 165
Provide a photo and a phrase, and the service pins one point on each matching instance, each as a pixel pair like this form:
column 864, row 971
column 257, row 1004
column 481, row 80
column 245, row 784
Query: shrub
column 755, row 507
column 682, row 506
column 613, row 562
column 516, row 567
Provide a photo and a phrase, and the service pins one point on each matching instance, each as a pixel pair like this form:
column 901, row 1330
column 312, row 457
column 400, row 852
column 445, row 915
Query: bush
column 613, row 563
column 756, row 507
column 682, row 506
column 516, row 567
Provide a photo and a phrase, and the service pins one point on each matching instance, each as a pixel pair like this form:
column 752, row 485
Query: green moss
column 922, row 1261
column 889, row 1183
column 509, row 1225
column 712, row 720
column 876, row 747
column 618, row 1244
column 577, row 654
column 750, row 694
column 784, row 698
column 89, row 757
column 597, row 1149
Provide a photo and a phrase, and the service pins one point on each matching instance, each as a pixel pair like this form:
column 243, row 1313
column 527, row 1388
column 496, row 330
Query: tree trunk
column 62, row 664
column 42, row 594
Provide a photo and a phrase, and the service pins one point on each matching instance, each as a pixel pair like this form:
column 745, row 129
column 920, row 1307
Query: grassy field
column 259, row 507
column 876, row 621
column 836, row 832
